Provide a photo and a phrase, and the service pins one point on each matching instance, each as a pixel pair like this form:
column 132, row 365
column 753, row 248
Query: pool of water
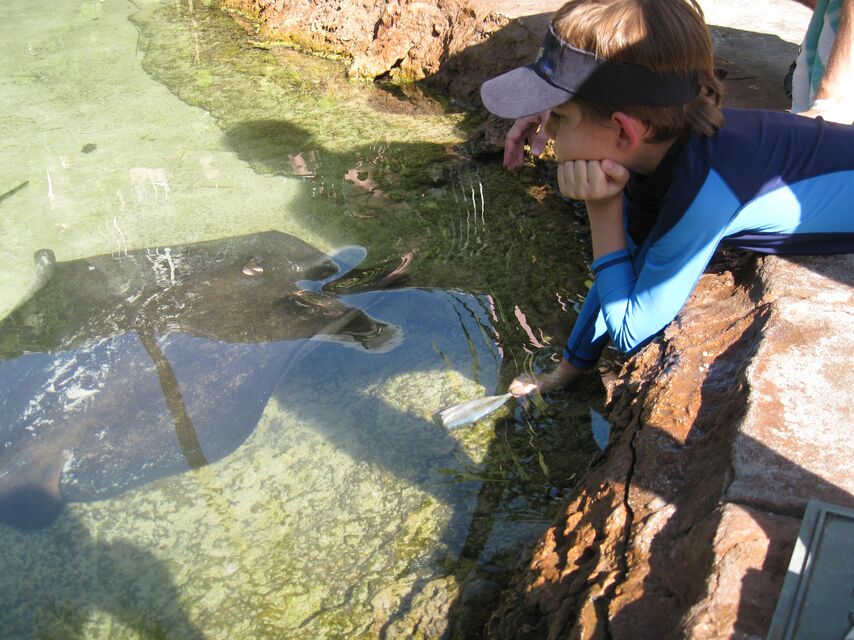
column 236, row 289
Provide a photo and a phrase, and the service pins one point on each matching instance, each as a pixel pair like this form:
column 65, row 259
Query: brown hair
column 667, row 36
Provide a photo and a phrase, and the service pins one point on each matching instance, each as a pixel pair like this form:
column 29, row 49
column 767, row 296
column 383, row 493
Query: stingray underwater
column 119, row 370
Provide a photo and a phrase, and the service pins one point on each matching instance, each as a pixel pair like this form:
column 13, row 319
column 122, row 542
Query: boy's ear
column 632, row 131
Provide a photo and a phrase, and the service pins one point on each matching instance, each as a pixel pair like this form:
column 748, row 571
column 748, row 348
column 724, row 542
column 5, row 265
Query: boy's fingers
column 514, row 144
column 596, row 176
column 513, row 155
column 538, row 142
column 579, row 171
column 517, row 131
column 568, row 179
column 590, row 179
column 617, row 172
column 529, row 129
column 539, row 138
column 572, row 178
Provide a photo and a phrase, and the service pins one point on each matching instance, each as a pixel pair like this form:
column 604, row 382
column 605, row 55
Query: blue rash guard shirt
column 766, row 181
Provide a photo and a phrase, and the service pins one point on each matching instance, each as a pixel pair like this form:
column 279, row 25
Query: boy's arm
column 639, row 299
column 600, row 185
column 606, row 227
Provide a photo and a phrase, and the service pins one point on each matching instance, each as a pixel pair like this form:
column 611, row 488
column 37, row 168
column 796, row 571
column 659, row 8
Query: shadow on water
column 153, row 362
column 165, row 343
column 133, row 574
column 183, row 341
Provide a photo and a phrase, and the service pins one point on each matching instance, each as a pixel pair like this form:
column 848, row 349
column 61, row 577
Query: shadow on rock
column 667, row 508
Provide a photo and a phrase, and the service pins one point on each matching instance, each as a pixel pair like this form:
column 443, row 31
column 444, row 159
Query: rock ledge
column 723, row 429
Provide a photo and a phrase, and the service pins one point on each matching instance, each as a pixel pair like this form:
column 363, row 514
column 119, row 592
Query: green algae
column 160, row 173
column 384, row 173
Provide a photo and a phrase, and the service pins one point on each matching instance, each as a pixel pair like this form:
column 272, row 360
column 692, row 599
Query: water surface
column 320, row 499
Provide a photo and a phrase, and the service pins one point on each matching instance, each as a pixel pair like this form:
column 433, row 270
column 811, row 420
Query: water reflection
column 127, row 368
column 117, row 355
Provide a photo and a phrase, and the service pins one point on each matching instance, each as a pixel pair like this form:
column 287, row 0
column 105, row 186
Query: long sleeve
column 768, row 182
column 638, row 300
column 589, row 335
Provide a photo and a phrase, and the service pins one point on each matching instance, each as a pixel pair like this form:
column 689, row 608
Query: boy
column 666, row 175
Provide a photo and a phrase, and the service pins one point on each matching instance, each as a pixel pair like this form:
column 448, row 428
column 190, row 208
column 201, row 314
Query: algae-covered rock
column 408, row 40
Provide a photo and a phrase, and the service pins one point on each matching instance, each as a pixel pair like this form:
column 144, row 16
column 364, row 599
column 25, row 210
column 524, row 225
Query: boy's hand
column 558, row 377
column 594, row 181
column 524, row 385
column 530, row 130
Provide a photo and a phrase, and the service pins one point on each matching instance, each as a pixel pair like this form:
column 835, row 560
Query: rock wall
column 403, row 39
column 723, row 429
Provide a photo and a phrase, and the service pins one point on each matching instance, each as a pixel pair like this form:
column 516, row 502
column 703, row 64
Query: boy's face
column 575, row 137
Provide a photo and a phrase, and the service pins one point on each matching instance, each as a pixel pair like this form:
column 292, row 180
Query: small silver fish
column 467, row 412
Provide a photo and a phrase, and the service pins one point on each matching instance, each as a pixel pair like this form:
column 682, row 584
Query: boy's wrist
column 606, row 205
column 606, row 226
column 606, row 210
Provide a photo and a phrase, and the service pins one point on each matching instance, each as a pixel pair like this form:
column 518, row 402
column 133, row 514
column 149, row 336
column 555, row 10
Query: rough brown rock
column 723, row 429
column 340, row 27
column 404, row 39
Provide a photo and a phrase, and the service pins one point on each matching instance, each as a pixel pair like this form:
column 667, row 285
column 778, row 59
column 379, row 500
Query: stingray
column 121, row 369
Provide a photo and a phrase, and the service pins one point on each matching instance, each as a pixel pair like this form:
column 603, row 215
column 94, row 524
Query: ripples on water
column 214, row 429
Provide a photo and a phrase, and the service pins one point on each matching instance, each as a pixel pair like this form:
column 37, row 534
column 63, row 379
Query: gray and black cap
column 561, row 72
